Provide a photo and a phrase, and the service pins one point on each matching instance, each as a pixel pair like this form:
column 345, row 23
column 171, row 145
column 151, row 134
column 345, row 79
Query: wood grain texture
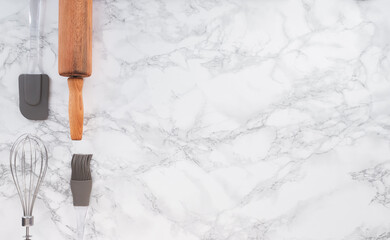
column 75, row 38
column 76, row 108
column 75, row 55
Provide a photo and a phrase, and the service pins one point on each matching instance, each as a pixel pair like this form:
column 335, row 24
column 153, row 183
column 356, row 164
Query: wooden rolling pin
column 75, row 55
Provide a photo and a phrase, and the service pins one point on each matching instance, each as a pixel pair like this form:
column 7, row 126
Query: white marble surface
column 213, row 120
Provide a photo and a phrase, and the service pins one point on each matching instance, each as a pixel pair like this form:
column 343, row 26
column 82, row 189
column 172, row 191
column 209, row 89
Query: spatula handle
column 34, row 24
column 76, row 108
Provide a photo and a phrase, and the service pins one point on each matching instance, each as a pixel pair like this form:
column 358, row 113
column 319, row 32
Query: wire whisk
column 28, row 163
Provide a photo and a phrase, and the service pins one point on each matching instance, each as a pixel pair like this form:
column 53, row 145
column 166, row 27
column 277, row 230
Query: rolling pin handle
column 76, row 108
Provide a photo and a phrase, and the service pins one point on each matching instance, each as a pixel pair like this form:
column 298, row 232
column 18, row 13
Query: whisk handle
column 28, row 236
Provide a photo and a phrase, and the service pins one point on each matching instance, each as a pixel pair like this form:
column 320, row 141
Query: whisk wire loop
column 28, row 164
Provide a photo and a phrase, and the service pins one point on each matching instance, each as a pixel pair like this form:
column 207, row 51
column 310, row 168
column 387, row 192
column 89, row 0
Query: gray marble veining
column 213, row 120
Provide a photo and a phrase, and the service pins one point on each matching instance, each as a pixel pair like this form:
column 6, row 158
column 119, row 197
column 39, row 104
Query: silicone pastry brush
column 34, row 86
column 81, row 186
column 75, row 56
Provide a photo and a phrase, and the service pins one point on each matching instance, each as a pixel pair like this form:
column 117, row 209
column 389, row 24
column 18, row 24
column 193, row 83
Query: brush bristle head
column 81, row 170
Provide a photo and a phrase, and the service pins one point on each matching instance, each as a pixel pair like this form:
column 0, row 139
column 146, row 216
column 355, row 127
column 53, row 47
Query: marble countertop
column 213, row 120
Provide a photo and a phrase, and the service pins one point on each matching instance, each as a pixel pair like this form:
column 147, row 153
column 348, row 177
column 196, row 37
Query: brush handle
column 76, row 108
column 81, row 214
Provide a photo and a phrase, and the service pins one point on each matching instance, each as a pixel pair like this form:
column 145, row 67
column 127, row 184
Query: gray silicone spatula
column 34, row 86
